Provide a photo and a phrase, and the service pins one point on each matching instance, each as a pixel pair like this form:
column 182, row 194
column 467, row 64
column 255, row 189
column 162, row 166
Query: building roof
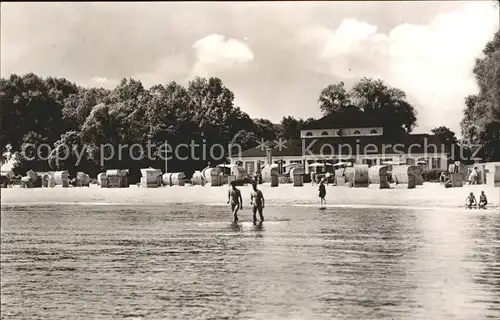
column 333, row 146
column 349, row 120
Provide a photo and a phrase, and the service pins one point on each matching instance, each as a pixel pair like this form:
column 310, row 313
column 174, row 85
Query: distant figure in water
column 470, row 201
column 257, row 201
column 234, row 196
column 483, row 201
column 322, row 192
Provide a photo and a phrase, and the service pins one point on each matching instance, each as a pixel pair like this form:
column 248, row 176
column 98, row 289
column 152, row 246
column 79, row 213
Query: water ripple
column 190, row 262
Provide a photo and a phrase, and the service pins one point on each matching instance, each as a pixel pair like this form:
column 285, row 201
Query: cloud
column 432, row 63
column 214, row 53
column 349, row 37
column 102, row 82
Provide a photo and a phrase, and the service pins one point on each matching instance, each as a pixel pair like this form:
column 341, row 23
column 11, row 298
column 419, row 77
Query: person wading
column 257, row 201
column 234, row 196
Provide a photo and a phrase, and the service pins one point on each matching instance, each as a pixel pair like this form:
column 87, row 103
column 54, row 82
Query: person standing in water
column 234, row 196
column 257, row 201
column 322, row 192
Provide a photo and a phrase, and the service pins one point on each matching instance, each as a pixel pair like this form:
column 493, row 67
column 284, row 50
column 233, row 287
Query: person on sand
column 255, row 177
column 470, row 201
column 322, row 192
column 474, row 176
column 257, row 201
column 313, row 178
column 442, row 177
column 448, row 183
column 483, row 201
column 327, row 177
column 234, row 196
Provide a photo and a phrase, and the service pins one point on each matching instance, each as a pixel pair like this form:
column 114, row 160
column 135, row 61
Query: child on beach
column 470, row 201
column 322, row 192
column 327, row 177
column 234, row 196
column 483, row 201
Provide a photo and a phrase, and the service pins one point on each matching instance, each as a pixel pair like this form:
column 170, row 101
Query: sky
column 275, row 56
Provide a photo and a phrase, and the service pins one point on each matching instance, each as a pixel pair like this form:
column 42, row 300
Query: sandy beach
column 430, row 195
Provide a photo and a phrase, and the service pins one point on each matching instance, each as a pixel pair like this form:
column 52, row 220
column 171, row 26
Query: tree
column 244, row 140
column 470, row 122
column 266, row 130
column 334, row 99
column 290, row 128
column 387, row 104
column 33, row 153
column 212, row 108
column 98, row 130
column 68, row 154
column 481, row 120
column 31, row 104
column 445, row 135
column 129, row 101
column 372, row 97
column 167, row 111
column 56, row 112
column 77, row 106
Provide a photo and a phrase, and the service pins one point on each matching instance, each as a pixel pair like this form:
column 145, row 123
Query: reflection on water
column 181, row 262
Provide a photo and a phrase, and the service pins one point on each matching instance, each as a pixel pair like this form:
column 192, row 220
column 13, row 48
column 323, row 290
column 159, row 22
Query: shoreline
column 429, row 196
column 488, row 208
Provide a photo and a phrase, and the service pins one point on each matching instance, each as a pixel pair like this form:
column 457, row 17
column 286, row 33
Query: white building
column 355, row 139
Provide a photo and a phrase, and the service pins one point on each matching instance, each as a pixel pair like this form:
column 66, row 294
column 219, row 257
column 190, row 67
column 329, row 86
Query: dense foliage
column 373, row 97
column 82, row 126
column 481, row 121
column 445, row 135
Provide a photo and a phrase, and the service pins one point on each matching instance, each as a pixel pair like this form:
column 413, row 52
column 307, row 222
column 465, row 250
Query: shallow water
column 190, row 262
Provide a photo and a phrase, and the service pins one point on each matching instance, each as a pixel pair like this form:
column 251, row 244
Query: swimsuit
column 235, row 195
column 257, row 198
column 322, row 191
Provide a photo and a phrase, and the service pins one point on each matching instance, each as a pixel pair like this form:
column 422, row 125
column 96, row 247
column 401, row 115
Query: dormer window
column 356, row 132
column 324, row 133
column 309, row 134
column 373, row 131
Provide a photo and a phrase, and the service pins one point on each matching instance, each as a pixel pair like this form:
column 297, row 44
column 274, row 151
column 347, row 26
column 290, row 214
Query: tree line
column 55, row 112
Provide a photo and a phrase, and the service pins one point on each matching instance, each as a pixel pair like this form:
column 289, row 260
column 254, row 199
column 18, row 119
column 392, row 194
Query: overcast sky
column 275, row 56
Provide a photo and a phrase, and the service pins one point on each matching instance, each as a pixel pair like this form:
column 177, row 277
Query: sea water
column 191, row 262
